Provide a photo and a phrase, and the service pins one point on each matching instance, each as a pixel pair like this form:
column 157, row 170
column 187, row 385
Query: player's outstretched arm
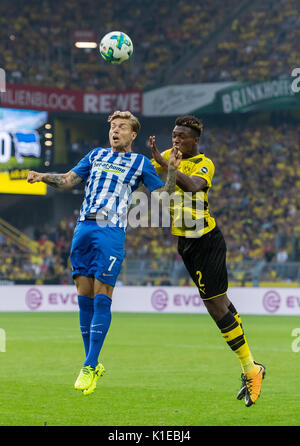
column 61, row 181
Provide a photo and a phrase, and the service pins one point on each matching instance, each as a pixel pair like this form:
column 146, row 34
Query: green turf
column 162, row 370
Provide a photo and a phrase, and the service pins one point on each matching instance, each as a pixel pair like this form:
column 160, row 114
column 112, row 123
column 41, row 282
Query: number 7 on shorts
column 112, row 259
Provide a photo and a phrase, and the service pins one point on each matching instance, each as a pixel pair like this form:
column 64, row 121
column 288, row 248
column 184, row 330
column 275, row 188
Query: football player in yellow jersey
column 203, row 248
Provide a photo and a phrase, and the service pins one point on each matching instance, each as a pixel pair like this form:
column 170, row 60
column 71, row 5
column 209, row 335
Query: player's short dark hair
column 192, row 122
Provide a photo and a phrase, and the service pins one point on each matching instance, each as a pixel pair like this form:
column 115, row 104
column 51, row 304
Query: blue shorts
column 97, row 251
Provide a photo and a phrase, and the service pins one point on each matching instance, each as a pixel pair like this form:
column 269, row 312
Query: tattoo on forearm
column 61, row 181
column 171, row 181
column 75, row 179
column 55, row 180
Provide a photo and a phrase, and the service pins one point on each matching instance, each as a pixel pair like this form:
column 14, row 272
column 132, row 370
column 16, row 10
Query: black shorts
column 205, row 260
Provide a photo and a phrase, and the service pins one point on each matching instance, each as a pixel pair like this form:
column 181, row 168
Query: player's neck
column 122, row 149
column 191, row 154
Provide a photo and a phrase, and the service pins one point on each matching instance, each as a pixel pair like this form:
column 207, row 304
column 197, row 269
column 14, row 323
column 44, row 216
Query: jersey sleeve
column 83, row 167
column 149, row 176
column 205, row 169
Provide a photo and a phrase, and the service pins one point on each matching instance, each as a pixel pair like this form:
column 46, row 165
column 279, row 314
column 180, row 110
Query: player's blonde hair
column 134, row 122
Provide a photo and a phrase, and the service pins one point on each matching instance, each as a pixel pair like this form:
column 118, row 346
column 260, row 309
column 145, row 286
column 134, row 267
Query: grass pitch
column 162, row 370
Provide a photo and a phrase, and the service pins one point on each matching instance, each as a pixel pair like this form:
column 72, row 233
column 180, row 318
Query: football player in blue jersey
column 111, row 175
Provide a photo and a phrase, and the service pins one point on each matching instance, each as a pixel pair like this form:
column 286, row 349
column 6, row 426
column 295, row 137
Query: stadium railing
column 160, row 272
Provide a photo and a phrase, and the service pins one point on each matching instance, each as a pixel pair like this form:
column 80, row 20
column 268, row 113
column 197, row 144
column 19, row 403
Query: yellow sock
column 233, row 334
column 247, row 362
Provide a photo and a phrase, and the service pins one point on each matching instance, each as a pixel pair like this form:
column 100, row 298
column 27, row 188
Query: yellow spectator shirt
column 189, row 207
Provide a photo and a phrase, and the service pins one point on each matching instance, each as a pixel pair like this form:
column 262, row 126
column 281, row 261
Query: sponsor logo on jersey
column 109, row 167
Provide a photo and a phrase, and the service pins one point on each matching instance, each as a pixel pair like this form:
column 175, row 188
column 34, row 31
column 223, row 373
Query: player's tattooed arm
column 174, row 161
column 170, row 183
column 61, row 181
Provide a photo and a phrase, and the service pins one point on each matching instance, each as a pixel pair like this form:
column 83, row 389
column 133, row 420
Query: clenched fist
column 34, row 177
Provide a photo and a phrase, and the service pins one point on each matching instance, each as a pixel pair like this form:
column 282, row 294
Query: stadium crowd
column 50, row 262
column 255, row 200
column 260, row 45
column 161, row 33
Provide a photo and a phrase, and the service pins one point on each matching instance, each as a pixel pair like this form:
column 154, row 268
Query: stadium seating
column 260, row 44
column 161, row 35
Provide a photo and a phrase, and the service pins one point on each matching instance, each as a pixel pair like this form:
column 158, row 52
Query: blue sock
column 86, row 312
column 99, row 328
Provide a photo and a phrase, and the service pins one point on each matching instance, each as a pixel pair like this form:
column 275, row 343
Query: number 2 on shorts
column 113, row 259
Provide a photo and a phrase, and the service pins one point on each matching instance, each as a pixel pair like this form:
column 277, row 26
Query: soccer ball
column 116, row 47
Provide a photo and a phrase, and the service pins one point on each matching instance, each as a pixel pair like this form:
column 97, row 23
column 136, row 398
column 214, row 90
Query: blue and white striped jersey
column 111, row 178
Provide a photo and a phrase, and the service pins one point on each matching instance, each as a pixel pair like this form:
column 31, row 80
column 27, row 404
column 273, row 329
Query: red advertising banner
column 63, row 100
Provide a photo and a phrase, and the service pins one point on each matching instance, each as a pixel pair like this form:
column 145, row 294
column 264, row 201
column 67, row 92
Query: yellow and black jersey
column 193, row 207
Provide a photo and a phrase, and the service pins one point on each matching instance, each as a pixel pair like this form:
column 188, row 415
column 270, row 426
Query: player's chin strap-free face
column 185, row 140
